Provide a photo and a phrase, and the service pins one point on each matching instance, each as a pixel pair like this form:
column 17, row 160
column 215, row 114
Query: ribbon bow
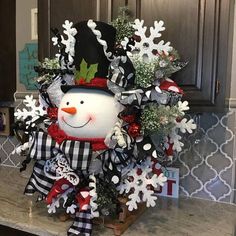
column 77, row 153
column 42, row 148
column 133, row 97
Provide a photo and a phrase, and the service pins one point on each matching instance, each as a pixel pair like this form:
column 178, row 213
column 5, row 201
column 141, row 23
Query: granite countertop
column 183, row 217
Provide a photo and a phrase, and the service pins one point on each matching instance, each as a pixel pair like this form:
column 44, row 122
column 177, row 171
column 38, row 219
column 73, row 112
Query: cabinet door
column 7, row 50
column 200, row 31
column 53, row 13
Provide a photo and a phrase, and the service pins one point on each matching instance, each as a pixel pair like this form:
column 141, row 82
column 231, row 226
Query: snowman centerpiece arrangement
column 91, row 135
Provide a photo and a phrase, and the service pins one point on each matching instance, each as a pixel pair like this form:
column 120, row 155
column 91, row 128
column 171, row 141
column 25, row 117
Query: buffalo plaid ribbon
column 43, row 147
column 39, row 181
column 77, row 153
column 82, row 224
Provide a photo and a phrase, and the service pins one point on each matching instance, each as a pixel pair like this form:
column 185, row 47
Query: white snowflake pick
column 144, row 48
column 183, row 126
column 69, row 42
column 137, row 185
column 175, row 139
column 186, row 125
column 21, row 148
column 34, row 111
column 183, row 106
column 52, row 208
column 71, row 209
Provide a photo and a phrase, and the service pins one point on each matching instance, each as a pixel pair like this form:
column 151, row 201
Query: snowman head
column 88, row 113
column 88, row 108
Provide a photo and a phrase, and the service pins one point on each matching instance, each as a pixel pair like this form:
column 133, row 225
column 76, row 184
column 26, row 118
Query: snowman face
column 88, row 113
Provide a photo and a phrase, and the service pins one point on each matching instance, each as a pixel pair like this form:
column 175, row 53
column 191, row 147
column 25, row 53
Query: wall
column 23, row 35
column 23, row 31
column 207, row 163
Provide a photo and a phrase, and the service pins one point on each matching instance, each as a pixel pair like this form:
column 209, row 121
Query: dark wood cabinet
column 7, row 50
column 53, row 13
column 201, row 30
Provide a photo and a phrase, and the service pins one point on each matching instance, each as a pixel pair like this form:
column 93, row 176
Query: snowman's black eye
column 81, row 102
column 67, row 103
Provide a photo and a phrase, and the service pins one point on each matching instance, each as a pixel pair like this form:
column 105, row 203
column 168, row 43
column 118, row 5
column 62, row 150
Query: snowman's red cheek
column 91, row 117
column 60, row 117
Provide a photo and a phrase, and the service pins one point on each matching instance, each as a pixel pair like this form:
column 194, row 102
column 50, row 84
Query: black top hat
column 94, row 40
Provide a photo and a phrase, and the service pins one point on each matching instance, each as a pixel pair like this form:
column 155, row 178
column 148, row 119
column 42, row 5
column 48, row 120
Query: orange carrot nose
column 70, row 110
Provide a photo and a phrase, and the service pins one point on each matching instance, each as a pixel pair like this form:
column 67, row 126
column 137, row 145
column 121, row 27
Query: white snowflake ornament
column 21, row 148
column 69, row 43
column 71, row 209
column 183, row 106
column 186, row 125
column 145, row 47
column 56, row 202
column 52, row 208
column 138, row 185
column 34, row 111
column 183, row 126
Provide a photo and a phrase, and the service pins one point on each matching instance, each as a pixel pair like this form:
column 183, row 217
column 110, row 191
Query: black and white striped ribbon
column 39, row 181
column 117, row 77
column 82, row 224
column 132, row 97
column 78, row 153
column 43, row 147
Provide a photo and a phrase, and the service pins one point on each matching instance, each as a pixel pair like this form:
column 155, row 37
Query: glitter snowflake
column 139, row 183
column 21, row 149
column 182, row 107
column 69, row 43
column 183, row 126
column 33, row 113
column 56, row 203
column 147, row 45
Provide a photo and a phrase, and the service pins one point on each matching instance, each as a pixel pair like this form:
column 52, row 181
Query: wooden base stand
column 126, row 218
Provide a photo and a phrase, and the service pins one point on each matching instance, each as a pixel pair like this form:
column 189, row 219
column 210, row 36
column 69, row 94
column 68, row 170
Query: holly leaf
column 92, row 70
column 83, row 69
column 77, row 75
column 86, row 73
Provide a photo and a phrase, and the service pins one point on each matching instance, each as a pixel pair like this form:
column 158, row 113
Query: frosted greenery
column 144, row 72
column 159, row 119
column 50, row 63
column 123, row 25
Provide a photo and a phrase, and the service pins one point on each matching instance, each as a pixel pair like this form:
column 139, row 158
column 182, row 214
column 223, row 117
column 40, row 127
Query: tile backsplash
column 207, row 163
column 7, row 145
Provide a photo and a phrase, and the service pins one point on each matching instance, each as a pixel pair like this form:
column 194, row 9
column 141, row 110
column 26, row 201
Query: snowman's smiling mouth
column 81, row 126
